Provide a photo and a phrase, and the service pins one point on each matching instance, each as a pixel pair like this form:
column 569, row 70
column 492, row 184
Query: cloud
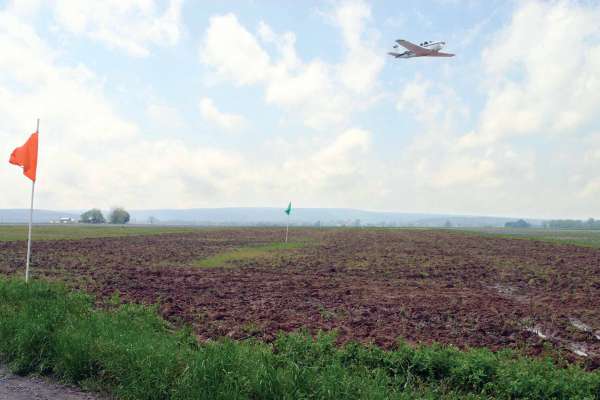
column 319, row 173
column 550, row 88
column 363, row 63
column 90, row 154
column 164, row 116
column 534, row 141
column 432, row 103
column 530, row 148
column 132, row 26
column 234, row 52
column 322, row 94
column 211, row 113
column 339, row 158
column 30, row 88
column 435, row 159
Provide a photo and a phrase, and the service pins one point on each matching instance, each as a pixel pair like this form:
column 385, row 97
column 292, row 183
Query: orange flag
column 26, row 156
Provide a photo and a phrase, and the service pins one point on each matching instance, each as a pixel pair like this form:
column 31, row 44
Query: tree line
column 117, row 215
column 590, row 223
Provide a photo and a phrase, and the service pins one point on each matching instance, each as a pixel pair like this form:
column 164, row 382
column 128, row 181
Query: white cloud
column 320, row 172
column 324, row 95
column 529, row 151
column 340, row 157
column 532, row 150
column 234, row 52
column 211, row 113
column 266, row 33
column 93, row 156
column 164, row 116
column 432, row 104
column 127, row 25
column 90, row 155
column 541, row 73
column 24, row 7
column 363, row 63
column 434, row 160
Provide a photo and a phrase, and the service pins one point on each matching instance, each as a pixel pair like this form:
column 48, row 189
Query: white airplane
column 425, row 49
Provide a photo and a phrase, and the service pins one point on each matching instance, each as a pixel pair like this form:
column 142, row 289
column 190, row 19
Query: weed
column 326, row 314
column 243, row 254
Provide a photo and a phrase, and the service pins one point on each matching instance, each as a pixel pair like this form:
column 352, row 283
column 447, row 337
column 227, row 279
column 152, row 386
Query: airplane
column 425, row 49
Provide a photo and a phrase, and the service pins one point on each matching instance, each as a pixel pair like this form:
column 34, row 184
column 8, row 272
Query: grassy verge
column 585, row 238
column 232, row 257
column 71, row 232
column 130, row 353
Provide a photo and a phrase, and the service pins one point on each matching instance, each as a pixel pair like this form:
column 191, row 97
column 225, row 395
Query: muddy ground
column 369, row 285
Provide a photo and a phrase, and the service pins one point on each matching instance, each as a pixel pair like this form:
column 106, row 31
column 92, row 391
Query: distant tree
column 118, row 215
column 152, row 220
column 93, row 216
column 591, row 223
column 517, row 224
column 448, row 224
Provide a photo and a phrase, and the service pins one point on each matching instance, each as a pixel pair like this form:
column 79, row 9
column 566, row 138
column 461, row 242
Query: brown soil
column 370, row 285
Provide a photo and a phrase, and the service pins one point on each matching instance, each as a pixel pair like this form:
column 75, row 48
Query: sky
column 187, row 103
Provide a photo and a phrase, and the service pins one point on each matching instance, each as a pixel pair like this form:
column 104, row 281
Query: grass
column 130, row 353
column 233, row 257
column 70, row 232
column 586, row 238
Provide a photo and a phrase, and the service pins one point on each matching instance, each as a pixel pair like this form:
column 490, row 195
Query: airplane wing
column 440, row 54
column 418, row 50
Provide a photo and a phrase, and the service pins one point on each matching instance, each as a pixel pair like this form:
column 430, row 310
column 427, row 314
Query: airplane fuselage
column 434, row 46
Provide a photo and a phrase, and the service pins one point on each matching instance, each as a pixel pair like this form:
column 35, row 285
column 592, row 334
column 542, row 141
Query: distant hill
column 274, row 216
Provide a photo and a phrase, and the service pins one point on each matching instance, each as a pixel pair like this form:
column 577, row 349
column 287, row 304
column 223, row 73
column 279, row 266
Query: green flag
column 288, row 210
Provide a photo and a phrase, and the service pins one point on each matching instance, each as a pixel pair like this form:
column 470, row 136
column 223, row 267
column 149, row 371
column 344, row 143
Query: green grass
column 60, row 232
column 586, row 238
column 261, row 252
column 130, row 353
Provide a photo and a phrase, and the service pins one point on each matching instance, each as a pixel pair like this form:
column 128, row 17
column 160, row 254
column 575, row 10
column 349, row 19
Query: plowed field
column 370, row 285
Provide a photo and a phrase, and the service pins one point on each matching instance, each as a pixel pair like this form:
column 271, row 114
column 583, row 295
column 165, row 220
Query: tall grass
column 131, row 353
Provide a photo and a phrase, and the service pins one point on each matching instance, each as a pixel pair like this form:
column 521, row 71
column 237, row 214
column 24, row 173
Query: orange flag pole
column 26, row 156
column 37, row 130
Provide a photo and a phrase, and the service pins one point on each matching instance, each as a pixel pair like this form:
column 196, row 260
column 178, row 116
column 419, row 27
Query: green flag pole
column 288, row 211
column 287, row 228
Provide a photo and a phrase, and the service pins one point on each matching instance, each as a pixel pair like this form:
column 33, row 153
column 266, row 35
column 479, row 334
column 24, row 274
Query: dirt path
column 14, row 387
